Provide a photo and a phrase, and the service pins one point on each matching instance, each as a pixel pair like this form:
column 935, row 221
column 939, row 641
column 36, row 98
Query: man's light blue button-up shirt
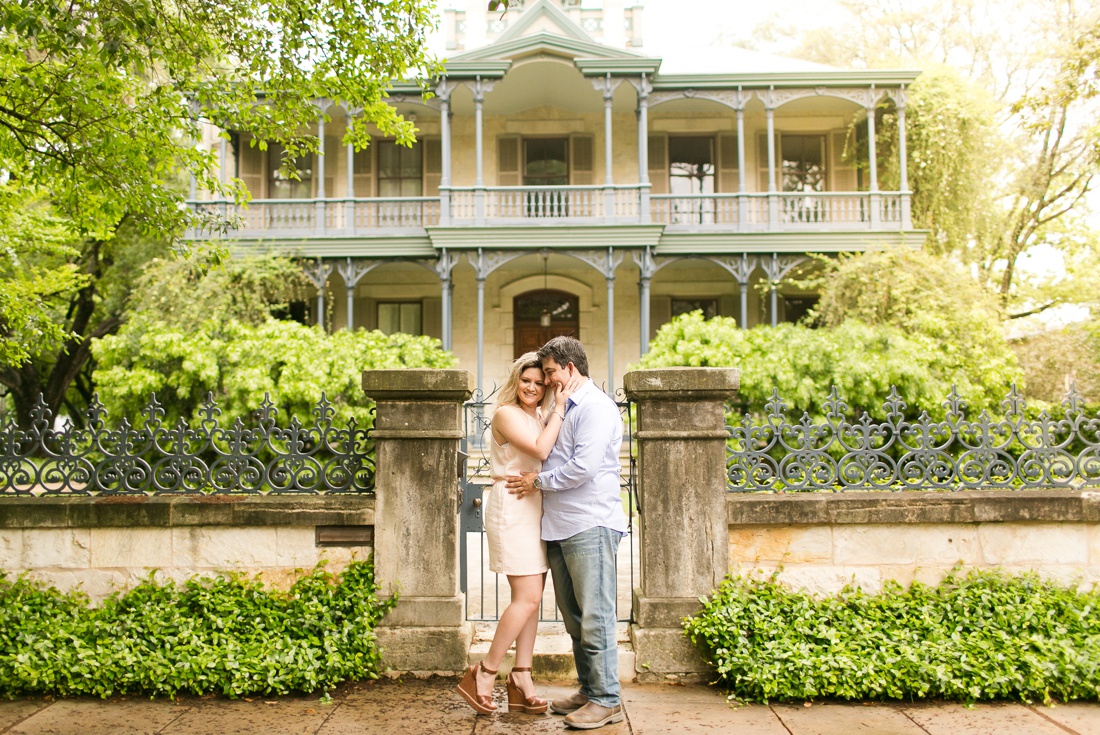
column 580, row 478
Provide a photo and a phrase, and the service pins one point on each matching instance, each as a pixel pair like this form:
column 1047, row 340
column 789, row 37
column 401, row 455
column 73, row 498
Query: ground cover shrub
column 983, row 635
column 223, row 635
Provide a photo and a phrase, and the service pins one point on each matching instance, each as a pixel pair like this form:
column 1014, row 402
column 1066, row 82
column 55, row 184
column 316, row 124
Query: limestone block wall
column 103, row 545
column 820, row 543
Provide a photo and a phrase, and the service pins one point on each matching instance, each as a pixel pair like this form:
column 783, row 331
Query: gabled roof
column 544, row 28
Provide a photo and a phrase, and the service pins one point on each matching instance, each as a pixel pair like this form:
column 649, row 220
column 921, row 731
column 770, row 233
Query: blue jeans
column 584, row 585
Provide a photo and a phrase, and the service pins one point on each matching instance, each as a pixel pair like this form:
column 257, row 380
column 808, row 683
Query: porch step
column 553, row 659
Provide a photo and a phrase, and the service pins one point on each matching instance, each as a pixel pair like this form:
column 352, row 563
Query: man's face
column 554, row 373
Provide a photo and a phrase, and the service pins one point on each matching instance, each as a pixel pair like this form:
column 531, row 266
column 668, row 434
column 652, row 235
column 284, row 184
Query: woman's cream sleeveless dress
column 513, row 526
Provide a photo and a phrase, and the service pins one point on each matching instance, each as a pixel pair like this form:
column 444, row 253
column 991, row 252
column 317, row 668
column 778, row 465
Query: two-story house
column 564, row 182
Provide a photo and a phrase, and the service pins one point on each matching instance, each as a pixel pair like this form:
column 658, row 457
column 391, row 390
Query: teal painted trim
column 708, row 243
column 489, row 68
column 544, row 42
column 593, row 67
column 360, row 247
column 826, row 78
column 535, row 238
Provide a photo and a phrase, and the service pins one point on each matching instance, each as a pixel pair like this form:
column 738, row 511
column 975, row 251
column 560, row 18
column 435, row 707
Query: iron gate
column 487, row 594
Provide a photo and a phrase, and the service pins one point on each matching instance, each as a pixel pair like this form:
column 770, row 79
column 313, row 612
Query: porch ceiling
column 545, row 81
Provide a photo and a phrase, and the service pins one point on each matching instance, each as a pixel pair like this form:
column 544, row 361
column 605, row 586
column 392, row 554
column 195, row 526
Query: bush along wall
column 985, row 635
column 223, row 635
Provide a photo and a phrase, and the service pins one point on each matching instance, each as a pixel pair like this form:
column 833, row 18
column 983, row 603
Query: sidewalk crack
column 779, row 719
column 1051, row 720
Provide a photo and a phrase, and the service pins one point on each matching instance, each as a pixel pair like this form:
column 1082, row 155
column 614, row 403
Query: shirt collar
column 582, row 392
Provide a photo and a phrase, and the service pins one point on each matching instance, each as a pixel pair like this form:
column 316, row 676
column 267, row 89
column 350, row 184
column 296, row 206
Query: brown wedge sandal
column 520, row 702
column 468, row 689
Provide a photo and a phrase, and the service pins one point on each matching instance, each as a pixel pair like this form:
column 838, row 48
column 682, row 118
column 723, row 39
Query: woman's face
column 531, row 387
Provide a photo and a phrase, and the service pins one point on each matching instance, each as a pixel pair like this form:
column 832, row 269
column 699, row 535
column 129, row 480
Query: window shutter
column 660, row 313
column 727, row 164
column 508, row 171
column 251, row 169
column 581, row 148
column 658, row 164
column 844, row 170
column 363, row 172
column 433, row 166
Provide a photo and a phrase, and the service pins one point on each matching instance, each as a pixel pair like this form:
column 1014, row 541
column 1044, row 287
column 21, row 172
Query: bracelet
column 559, row 415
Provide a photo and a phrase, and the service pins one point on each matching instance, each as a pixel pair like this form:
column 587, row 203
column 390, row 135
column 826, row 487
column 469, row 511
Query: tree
column 101, row 102
column 1039, row 170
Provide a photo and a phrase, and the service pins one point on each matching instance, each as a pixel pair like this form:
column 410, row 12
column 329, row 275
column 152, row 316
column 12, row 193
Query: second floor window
column 691, row 165
column 400, row 170
column 546, row 162
column 803, row 163
column 282, row 186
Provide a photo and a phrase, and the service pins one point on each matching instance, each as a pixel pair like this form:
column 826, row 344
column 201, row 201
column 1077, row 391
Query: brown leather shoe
column 572, row 703
column 592, row 715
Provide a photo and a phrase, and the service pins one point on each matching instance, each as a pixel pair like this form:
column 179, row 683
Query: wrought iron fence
column 771, row 453
column 153, row 458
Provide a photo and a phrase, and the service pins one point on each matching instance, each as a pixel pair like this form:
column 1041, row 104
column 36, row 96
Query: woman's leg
column 525, row 645
column 518, row 621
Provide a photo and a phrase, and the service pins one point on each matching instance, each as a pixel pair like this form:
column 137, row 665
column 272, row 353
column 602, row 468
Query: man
column 582, row 524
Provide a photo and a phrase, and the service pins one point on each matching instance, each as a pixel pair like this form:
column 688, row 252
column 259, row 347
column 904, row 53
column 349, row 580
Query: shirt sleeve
column 593, row 429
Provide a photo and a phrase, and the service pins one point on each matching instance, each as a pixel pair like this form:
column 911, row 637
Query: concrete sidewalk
column 431, row 706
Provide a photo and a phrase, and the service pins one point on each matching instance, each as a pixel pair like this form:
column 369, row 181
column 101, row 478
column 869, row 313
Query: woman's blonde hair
column 509, row 392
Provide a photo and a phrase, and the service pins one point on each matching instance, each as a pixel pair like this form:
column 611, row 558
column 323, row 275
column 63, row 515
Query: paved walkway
column 413, row 707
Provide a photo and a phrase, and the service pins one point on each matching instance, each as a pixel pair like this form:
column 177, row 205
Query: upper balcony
column 565, row 205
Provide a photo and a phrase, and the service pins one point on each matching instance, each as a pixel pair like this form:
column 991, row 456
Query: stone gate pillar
column 417, row 430
column 681, row 433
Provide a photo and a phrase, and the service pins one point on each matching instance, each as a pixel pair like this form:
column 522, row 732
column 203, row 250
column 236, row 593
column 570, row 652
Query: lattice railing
column 835, row 453
column 150, row 457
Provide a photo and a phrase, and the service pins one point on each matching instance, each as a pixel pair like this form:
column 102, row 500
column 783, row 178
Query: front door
column 534, row 309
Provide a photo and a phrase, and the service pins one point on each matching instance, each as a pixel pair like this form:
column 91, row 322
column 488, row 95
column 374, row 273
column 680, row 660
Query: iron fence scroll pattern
column 771, row 453
column 154, row 458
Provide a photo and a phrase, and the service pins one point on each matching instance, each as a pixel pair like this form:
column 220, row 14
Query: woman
column 526, row 421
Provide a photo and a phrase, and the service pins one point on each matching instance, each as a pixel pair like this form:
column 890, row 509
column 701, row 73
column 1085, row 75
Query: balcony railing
column 565, row 205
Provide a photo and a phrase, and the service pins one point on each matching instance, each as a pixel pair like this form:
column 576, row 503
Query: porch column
column 443, row 92
column 875, row 199
column 482, row 274
column 742, row 203
column 608, row 180
column 417, row 431
column 646, row 269
column 443, row 268
column 349, row 205
column 223, row 162
column 318, row 276
column 479, row 181
column 773, row 197
column 610, row 328
column 684, row 550
column 643, row 150
column 903, row 161
column 320, row 172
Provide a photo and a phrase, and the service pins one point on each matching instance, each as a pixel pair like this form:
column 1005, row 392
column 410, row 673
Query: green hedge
column 223, row 635
column 986, row 635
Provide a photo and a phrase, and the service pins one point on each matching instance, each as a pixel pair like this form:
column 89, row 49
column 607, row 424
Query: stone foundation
column 820, row 543
column 104, row 545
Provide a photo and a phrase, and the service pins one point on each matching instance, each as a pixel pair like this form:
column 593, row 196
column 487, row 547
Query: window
column 546, row 161
column 400, row 170
column 280, row 184
column 400, row 316
column 709, row 307
column 691, row 174
column 795, row 308
column 803, row 163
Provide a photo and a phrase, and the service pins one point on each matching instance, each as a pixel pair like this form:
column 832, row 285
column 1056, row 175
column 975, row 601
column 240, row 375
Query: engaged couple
column 554, row 505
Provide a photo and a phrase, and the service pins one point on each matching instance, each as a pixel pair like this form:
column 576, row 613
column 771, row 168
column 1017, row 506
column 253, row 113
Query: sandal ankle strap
column 485, row 669
column 521, row 668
